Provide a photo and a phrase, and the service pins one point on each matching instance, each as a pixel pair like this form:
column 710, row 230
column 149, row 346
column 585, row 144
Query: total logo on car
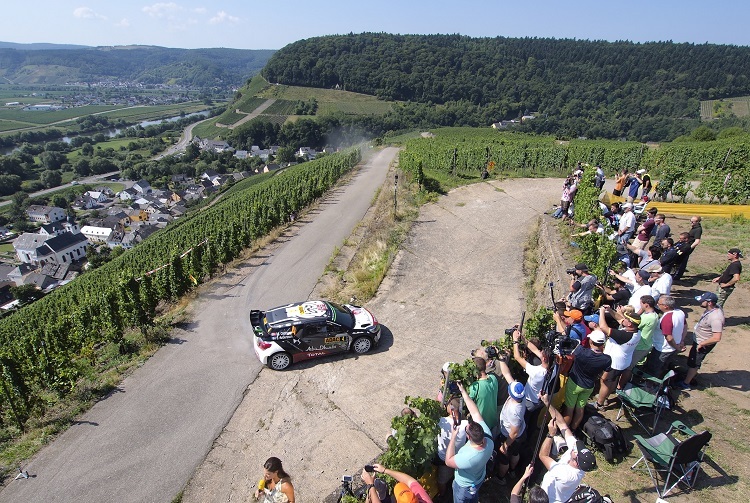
column 303, row 330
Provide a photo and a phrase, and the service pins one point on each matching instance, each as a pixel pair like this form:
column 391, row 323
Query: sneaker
column 683, row 386
column 596, row 405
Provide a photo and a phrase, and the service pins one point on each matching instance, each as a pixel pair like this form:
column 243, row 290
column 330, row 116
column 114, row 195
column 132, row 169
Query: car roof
column 298, row 313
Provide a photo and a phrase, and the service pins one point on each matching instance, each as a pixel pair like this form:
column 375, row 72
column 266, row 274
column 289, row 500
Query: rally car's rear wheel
column 362, row 345
column 279, row 361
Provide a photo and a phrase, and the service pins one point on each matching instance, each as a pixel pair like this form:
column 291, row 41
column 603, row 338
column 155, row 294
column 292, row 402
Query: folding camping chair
column 680, row 460
column 649, row 398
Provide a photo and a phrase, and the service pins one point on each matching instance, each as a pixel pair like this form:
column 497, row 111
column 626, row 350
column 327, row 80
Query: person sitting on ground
column 667, row 338
column 592, row 227
column 588, row 364
column 707, row 332
column 470, row 462
column 406, row 490
column 446, row 423
column 646, row 257
column 483, row 392
column 564, row 475
column 536, row 493
column 621, row 344
column 625, row 274
column 614, row 215
column 570, row 323
column 278, row 486
column 512, row 425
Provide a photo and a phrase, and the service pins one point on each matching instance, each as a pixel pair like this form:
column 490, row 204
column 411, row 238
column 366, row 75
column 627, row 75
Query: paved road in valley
column 144, row 441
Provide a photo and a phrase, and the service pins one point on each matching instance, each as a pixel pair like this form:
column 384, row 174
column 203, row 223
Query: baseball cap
column 582, row 267
column 515, row 389
column 641, row 171
column 597, row 337
column 735, row 251
column 574, row 313
column 592, row 317
column 707, row 297
column 628, row 205
column 655, row 268
column 382, row 489
column 586, row 458
column 404, row 495
column 447, row 366
column 643, row 273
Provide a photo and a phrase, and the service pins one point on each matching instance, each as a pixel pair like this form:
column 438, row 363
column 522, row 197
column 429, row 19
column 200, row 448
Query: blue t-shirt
column 472, row 463
column 578, row 331
column 635, row 184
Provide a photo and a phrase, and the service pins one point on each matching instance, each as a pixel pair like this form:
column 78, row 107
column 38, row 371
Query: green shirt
column 649, row 323
column 484, row 394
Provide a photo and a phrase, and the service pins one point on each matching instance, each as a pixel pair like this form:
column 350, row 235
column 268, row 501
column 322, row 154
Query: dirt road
column 144, row 441
column 456, row 281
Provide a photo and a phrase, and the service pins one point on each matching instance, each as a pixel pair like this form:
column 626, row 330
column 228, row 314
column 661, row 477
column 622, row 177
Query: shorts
column 612, row 376
column 638, row 355
column 637, row 243
column 696, row 356
column 575, row 396
column 513, row 450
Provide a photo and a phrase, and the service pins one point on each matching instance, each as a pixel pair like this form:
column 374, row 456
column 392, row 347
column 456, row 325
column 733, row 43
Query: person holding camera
column 470, row 462
column 447, row 423
column 582, row 285
column 571, row 324
column 484, row 391
column 406, row 490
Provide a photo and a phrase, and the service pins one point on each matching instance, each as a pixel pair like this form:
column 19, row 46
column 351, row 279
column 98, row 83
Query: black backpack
column 606, row 436
column 587, row 494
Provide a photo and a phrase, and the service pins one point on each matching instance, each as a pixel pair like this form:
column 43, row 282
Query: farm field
column 739, row 107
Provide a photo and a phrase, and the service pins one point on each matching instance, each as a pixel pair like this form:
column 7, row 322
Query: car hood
column 362, row 317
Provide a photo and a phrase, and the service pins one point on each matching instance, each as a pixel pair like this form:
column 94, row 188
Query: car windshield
column 341, row 315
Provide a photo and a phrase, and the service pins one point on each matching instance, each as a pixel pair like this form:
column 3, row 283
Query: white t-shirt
column 622, row 354
column 662, row 286
column 678, row 326
column 627, row 222
column 640, row 291
column 561, row 480
column 512, row 415
column 444, row 437
column 536, row 374
column 630, row 275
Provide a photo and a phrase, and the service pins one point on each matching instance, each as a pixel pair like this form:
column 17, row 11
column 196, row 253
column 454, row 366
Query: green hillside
column 649, row 91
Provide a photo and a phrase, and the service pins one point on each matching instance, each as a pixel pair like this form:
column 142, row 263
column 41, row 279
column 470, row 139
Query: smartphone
column 369, row 468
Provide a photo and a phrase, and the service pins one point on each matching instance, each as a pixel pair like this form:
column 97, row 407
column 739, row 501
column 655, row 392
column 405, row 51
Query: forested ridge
column 145, row 64
column 596, row 88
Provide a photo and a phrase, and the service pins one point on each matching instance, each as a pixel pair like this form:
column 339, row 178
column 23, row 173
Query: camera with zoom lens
column 571, row 271
column 560, row 343
column 509, row 331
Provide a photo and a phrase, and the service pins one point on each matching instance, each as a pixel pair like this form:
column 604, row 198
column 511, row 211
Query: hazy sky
column 251, row 24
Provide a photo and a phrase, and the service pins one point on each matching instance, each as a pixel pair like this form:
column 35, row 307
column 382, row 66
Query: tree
column 51, row 178
column 285, row 154
column 59, row 200
column 26, row 293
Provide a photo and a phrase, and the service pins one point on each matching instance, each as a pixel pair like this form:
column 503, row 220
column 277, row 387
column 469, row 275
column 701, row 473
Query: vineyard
column 721, row 166
column 230, row 117
column 249, row 105
column 282, row 107
column 46, row 347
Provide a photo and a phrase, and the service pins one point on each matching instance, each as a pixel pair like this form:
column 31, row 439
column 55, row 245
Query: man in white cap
column 627, row 224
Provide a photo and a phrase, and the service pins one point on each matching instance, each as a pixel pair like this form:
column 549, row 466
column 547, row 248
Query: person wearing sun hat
column 707, row 332
column 730, row 276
